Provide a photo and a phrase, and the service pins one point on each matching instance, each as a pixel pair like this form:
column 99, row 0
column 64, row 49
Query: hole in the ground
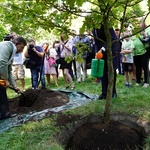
column 89, row 133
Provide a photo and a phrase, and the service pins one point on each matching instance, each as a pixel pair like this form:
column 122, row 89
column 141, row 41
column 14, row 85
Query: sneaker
column 130, row 85
column 146, row 85
column 137, row 84
column 126, row 84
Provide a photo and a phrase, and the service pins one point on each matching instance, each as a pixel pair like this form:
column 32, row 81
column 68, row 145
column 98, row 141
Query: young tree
column 28, row 16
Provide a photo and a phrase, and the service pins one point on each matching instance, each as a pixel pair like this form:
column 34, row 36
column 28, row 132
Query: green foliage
column 26, row 17
column 2, row 32
column 82, row 48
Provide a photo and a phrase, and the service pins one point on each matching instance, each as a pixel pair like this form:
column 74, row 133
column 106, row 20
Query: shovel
column 17, row 91
column 22, row 100
column 2, row 82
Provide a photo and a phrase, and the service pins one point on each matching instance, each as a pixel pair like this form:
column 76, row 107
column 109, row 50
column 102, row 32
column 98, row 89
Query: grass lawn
column 38, row 135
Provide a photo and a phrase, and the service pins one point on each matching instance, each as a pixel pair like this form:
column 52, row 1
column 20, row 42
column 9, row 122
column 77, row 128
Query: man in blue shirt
column 35, row 53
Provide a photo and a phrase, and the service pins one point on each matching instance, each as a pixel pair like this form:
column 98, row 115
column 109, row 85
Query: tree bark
column 110, row 71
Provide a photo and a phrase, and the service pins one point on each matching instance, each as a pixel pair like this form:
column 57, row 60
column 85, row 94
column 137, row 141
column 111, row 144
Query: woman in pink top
column 50, row 70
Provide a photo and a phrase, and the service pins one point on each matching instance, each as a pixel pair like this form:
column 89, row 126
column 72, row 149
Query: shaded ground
column 89, row 136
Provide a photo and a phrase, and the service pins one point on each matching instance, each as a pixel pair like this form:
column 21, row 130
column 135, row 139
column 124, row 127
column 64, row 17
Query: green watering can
column 97, row 67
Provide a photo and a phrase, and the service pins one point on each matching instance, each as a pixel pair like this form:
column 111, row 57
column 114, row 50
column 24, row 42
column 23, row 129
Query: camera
column 57, row 41
column 146, row 40
column 31, row 46
column 8, row 37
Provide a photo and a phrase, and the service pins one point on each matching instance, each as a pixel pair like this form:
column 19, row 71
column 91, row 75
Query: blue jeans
column 35, row 74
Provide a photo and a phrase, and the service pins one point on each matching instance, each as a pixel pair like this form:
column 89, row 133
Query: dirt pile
column 81, row 134
column 37, row 100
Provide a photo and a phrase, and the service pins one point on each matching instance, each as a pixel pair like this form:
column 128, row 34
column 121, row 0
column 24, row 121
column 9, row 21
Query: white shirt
column 18, row 59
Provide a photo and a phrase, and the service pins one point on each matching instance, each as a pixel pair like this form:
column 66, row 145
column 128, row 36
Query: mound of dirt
column 116, row 136
column 37, row 100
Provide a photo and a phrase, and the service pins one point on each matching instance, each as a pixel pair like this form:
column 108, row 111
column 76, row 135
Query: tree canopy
column 27, row 17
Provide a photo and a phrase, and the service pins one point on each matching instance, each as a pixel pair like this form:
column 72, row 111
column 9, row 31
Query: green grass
column 38, row 135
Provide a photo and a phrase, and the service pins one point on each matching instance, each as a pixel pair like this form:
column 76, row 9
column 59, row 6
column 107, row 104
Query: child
column 127, row 60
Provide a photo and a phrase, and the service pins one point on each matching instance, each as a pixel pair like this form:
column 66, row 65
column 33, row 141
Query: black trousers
column 4, row 105
column 105, row 80
column 142, row 64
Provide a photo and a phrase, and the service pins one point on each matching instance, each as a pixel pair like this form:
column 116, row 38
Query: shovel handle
column 13, row 89
column 2, row 82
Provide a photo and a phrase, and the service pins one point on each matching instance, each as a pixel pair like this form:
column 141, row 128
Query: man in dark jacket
column 100, row 45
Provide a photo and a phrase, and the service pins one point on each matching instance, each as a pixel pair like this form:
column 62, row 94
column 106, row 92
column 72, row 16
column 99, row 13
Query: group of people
column 135, row 52
column 63, row 53
column 46, row 60
column 130, row 56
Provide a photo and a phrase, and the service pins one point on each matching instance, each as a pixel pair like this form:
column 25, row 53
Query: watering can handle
column 97, row 65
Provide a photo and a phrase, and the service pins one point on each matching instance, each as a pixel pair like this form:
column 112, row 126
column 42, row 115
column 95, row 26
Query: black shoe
column 8, row 116
column 102, row 96
column 114, row 95
column 13, row 115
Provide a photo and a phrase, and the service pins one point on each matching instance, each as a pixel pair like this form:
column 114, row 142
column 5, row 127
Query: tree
column 3, row 32
column 28, row 16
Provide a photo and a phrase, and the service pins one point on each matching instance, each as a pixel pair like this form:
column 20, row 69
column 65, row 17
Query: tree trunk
column 110, row 71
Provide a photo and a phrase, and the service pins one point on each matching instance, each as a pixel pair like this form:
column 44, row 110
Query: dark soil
column 98, row 136
column 89, row 136
column 37, row 100
column 116, row 136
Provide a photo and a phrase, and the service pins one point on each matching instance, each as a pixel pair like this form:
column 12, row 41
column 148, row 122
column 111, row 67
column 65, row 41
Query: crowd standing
column 130, row 58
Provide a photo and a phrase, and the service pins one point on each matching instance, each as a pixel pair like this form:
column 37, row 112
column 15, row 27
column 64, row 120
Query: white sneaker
column 146, row 85
column 137, row 84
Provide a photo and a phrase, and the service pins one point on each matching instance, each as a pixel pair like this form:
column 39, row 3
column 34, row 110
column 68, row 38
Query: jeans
column 79, row 66
column 35, row 74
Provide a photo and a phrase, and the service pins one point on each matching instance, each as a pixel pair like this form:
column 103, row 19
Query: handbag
column 51, row 61
column 29, row 63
